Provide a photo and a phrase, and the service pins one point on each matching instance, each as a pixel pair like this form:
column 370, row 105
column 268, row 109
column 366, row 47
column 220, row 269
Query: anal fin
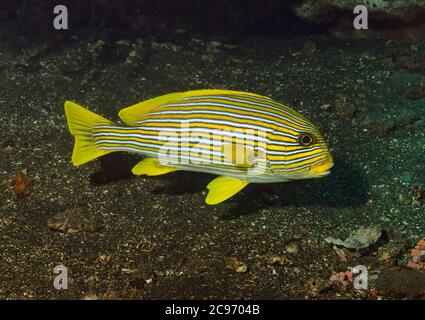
column 222, row 188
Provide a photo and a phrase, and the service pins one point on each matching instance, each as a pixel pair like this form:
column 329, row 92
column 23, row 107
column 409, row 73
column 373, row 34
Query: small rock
column 9, row 143
column 180, row 31
column 315, row 286
column 383, row 125
column 105, row 258
column 21, row 183
column 402, row 283
column 325, row 106
column 409, row 85
column 96, row 48
column 417, row 196
column 391, row 252
column 292, row 247
column 342, row 256
column 141, row 278
column 236, row 265
column 344, row 108
column 416, row 204
column 359, row 239
column 309, row 48
column 73, row 220
column 279, row 261
column 406, row 177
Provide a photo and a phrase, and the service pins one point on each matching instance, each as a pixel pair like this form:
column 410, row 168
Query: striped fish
column 241, row 137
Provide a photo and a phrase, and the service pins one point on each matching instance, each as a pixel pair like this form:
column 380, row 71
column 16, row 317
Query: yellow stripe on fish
column 242, row 137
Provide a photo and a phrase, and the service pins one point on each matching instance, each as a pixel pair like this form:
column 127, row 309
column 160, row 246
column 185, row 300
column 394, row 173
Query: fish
column 239, row 136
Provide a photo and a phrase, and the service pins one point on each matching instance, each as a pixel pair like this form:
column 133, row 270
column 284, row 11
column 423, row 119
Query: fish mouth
column 322, row 169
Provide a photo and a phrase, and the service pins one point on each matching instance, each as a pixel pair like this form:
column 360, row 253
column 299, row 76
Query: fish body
column 242, row 137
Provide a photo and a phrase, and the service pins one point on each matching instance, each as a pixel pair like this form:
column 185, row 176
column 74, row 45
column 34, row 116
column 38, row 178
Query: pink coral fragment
column 418, row 256
column 342, row 278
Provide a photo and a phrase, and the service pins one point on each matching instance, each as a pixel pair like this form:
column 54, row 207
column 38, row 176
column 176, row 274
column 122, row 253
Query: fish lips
column 322, row 169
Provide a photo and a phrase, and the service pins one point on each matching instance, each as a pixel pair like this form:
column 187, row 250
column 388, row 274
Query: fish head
column 308, row 156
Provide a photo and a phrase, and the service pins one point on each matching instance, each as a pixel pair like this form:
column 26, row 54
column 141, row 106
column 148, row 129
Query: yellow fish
column 242, row 137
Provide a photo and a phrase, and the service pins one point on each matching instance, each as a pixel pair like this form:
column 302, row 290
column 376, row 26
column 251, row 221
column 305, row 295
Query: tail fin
column 80, row 122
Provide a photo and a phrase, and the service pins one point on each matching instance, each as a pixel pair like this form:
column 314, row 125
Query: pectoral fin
column 238, row 154
column 151, row 167
column 223, row 188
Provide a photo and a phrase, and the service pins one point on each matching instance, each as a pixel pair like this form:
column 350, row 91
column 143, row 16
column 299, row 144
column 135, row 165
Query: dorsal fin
column 135, row 112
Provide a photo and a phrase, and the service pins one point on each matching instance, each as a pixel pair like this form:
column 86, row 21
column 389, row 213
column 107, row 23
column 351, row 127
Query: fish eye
column 306, row 139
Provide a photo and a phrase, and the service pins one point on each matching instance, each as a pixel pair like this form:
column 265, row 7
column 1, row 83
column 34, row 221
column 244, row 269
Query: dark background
column 398, row 20
column 220, row 17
